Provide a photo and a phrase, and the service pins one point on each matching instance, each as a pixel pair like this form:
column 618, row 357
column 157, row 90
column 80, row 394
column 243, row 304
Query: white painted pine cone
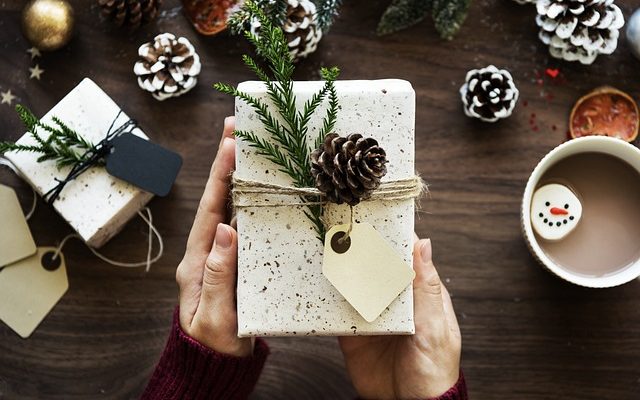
column 168, row 66
column 579, row 30
column 489, row 94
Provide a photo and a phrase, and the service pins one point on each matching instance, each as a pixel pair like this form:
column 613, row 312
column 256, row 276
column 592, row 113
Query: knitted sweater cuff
column 190, row 370
column 457, row 392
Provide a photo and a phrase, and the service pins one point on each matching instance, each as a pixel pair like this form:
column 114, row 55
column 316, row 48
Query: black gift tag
column 146, row 165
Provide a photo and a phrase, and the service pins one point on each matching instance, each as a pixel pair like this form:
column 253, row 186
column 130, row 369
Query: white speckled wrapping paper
column 96, row 205
column 281, row 289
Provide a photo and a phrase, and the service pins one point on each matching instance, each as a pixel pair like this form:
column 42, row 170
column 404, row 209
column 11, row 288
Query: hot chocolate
column 607, row 239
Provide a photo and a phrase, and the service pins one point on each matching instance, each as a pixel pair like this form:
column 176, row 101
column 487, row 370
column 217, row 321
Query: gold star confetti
column 7, row 97
column 34, row 52
column 36, row 72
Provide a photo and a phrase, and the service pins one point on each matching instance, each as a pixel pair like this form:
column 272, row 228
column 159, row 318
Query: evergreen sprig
column 327, row 11
column 287, row 145
column 64, row 145
column 276, row 11
column 448, row 15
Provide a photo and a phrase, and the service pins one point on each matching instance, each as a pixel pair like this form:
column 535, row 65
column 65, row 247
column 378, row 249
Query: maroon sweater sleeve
column 457, row 392
column 189, row 370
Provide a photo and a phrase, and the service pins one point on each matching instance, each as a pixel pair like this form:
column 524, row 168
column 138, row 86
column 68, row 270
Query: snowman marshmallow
column 555, row 211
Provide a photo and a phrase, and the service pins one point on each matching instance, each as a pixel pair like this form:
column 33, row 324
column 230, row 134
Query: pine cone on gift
column 131, row 13
column 489, row 94
column 168, row 67
column 348, row 170
column 300, row 28
column 579, row 30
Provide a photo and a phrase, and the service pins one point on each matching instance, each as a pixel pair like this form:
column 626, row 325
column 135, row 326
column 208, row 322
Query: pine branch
column 271, row 152
column 63, row 145
column 448, row 16
column 271, row 124
column 402, row 14
column 329, row 121
column 240, row 21
column 287, row 143
column 326, row 11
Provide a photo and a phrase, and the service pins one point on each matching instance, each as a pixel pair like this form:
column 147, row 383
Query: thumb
column 217, row 299
column 427, row 290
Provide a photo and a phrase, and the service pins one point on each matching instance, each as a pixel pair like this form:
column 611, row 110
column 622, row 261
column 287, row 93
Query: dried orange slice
column 209, row 17
column 605, row 111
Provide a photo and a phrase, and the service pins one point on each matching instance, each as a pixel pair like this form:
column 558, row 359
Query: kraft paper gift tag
column 30, row 288
column 364, row 268
column 16, row 241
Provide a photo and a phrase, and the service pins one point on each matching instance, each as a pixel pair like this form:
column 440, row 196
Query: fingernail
column 425, row 250
column 226, row 121
column 223, row 237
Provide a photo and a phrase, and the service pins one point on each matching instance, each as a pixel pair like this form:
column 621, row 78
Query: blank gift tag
column 146, row 165
column 365, row 269
column 30, row 288
column 16, row 241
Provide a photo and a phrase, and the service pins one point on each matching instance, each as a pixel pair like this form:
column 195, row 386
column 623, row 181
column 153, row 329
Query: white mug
column 588, row 144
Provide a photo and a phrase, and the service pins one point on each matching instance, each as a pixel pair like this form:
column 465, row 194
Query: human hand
column 207, row 274
column 420, row 366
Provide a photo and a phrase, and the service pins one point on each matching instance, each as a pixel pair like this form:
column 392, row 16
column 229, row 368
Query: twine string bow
column 251, row 193
column 91, row 157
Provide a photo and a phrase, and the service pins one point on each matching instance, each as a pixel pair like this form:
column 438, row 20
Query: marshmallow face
column 555, row 211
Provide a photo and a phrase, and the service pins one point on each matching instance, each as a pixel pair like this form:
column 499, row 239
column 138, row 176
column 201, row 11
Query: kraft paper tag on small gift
column 30, row 288
column 146, row 165
column 16, row 241
column 364, row 268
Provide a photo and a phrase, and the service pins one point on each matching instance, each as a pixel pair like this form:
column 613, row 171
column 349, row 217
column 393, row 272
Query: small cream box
column 95, row 204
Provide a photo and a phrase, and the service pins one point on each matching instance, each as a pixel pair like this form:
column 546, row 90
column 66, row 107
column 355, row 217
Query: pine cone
column 579, row 30
column 348, row 170
column 489, row 94
column 300, row 28
column 131, row 13
column 168, row 67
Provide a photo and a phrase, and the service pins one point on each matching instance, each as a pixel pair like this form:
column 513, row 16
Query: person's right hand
column 207, row 273
column 421, row 366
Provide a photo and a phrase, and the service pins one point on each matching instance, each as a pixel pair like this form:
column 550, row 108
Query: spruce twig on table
column 64, row 145
column 287, row 144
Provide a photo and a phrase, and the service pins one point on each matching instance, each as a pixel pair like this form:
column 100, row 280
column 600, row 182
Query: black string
column 91, row 157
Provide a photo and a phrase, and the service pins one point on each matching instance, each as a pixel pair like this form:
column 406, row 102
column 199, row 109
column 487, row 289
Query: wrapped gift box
column 95, row 204
column 281, row 288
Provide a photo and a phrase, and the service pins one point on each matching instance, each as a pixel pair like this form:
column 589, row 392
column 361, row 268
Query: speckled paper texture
column 281, row 289
column 95, row 204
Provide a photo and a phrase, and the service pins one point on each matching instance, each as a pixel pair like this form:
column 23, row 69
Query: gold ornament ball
column 48, row 24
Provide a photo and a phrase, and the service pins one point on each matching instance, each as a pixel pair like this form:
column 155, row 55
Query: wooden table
column 526, row 334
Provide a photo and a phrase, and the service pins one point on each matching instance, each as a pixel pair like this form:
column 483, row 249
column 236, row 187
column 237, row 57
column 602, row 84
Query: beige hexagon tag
column 365, row 269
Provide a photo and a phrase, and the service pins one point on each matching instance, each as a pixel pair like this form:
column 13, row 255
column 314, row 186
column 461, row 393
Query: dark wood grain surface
column 526, row 334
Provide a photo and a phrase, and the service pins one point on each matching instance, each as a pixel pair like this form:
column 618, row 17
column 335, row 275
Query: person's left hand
column 207, row 273
column 420, row 366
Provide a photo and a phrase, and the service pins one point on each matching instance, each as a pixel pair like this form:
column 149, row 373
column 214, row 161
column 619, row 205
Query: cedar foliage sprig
column 287, row 145
column 64, row 145
column 276, row 11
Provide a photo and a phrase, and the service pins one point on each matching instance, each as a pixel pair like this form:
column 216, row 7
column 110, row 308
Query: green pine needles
column 63, row 145
column 287, row 145
column 448, row 15
column 276, row 10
